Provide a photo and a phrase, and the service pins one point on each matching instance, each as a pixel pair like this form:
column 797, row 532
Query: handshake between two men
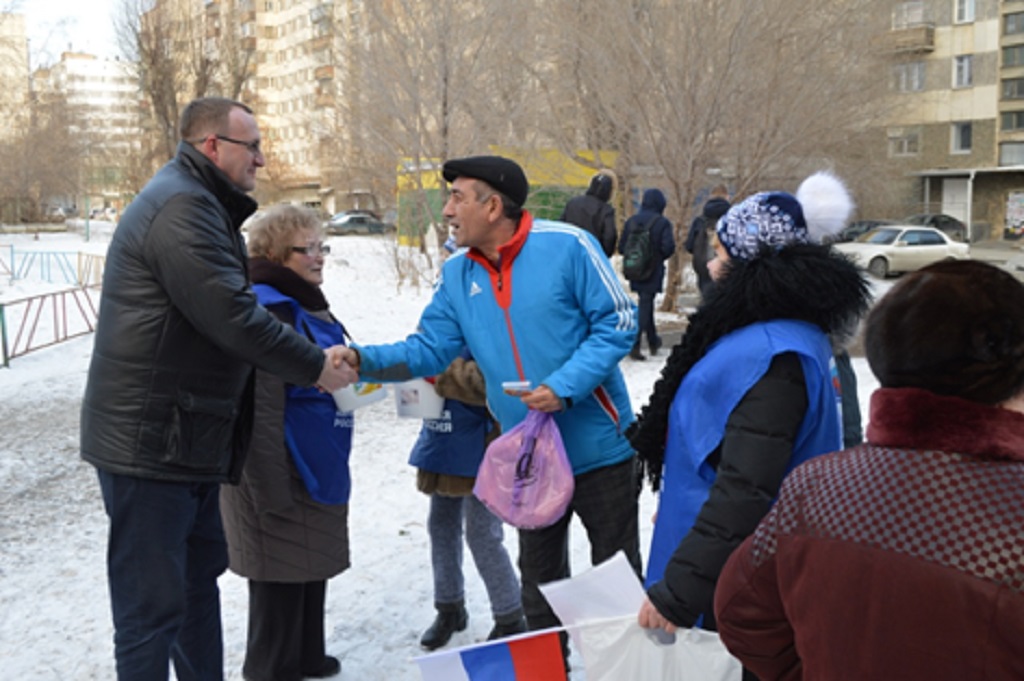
column 341, row 366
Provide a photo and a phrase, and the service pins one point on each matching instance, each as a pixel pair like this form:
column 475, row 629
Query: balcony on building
column 913, row 30
column 911, row 38
column 320, row 42
column 322, row 12
column 324, row 72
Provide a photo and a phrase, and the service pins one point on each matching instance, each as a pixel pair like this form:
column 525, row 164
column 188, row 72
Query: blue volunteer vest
column 454, row 443
column 318, row 436
column 708, row 395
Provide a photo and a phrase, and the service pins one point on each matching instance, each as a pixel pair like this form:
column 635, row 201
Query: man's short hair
column 720, row 191
column 207, row 116
column 509, row 208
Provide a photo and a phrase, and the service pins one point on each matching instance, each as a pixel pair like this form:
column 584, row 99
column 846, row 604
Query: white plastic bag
column 619, row 649
column 599, row 609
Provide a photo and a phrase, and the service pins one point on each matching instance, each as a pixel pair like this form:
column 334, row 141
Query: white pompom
column 826, row 203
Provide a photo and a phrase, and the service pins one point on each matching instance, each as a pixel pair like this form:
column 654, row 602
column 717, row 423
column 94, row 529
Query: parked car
column 902, row 248
column 855, row 229
column 56, row 214
column 108, row 213
column 946, row 223
column 356, row 222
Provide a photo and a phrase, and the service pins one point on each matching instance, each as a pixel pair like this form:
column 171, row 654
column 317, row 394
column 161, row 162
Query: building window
column 907, row 15
column 908, row 77
column 962, row 71
column 1013, row 88
column 961, row 143
column 1012, row 120
column 1013, row 56
column 904, row 142
column 1011, row 154
column 964, row 11
column 1013, row 23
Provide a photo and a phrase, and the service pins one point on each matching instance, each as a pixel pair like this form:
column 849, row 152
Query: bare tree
column 758, row 92
column 43, row 161
column 185, row 50
column 420, row 87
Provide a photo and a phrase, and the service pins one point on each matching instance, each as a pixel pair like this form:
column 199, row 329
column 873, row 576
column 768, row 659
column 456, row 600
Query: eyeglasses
column 253, row 147
column 312, row 249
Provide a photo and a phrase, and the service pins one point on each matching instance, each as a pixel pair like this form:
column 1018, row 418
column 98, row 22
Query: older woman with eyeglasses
column 287, row 521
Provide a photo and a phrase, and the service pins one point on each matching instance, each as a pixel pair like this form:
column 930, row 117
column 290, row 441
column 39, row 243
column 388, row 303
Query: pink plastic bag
column 525, row 478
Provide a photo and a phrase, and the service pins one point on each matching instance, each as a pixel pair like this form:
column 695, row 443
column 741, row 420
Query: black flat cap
column 502, row 173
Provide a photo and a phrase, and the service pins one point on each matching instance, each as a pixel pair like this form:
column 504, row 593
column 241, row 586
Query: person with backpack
column 593, row 213
column 698, row 240
column 647, row 242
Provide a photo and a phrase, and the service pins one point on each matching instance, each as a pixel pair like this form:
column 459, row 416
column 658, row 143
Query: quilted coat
column 275, row 531
column 899, row 559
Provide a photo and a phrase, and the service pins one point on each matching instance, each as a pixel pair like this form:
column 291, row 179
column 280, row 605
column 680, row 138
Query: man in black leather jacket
column 168, row 402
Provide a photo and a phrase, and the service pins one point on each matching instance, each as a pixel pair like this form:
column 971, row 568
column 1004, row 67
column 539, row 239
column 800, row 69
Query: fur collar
column 912, row 418
column 805, row 282
column 288, row 282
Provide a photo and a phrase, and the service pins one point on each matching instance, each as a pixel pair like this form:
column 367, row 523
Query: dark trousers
column 165, row 551
column 286, row 630
column 606, row 502
column 645, row 314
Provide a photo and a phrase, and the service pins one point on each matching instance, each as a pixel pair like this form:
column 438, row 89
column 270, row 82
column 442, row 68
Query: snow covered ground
column 54, row 612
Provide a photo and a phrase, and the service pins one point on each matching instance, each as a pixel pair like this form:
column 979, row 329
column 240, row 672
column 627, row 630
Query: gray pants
column 484, row 534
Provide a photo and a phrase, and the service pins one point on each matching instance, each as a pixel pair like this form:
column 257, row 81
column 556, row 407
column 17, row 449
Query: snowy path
column 54, row 612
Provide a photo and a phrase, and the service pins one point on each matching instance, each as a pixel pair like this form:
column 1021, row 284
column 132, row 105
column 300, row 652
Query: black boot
column 635, row 352
column 330, row 666
column 507, row 627
column 451, row 617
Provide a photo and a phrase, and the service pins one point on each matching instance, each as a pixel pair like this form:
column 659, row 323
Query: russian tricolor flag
column 536, row 656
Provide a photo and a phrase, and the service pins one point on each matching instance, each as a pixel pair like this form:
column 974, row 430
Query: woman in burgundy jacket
column 903, row 558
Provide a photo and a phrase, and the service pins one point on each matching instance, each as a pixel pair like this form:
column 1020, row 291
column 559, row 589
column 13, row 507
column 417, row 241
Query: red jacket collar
column 911, row 418
column 508, row 251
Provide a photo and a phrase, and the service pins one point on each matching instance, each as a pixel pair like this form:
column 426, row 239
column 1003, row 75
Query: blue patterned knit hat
column 772, row 219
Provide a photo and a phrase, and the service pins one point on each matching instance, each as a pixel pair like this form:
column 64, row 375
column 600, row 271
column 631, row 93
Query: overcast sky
column 55, row 25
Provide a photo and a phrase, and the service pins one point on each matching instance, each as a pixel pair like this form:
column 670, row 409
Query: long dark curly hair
column 805, row 282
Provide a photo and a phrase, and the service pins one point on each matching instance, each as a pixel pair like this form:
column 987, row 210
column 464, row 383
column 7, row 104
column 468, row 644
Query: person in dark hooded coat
column 651, row 208
column 593, row 213
column 698, row 240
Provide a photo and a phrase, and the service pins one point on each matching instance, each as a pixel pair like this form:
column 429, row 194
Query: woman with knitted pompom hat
column 749, row 392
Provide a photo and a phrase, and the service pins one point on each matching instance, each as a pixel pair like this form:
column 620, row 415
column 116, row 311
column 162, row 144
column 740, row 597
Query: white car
column 902, row 248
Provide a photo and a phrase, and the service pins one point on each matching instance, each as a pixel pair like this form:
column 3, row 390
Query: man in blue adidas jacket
column 536, row 301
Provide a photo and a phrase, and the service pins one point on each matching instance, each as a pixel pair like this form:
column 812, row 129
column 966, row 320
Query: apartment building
column 14, row 75
column 957, row 117
column 296, row 85
column 103, row 113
